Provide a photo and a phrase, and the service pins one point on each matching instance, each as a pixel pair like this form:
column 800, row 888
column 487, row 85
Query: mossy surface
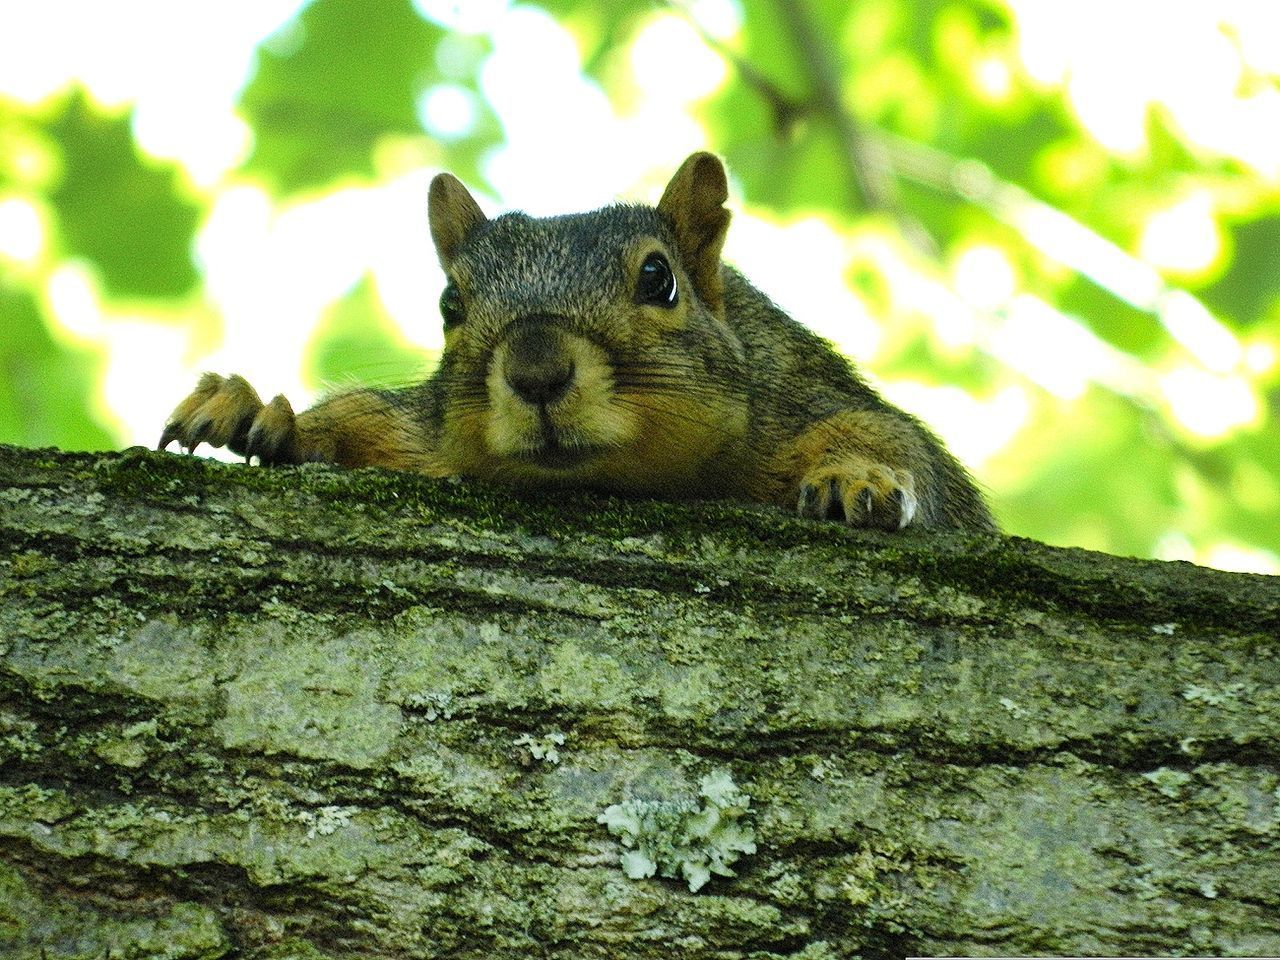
column 307, row 713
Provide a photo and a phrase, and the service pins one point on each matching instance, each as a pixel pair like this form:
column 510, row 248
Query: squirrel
column 613, row 350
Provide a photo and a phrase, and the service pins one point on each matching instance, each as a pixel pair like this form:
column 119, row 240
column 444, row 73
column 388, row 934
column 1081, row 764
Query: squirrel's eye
column 451, row 307
column 656, row 284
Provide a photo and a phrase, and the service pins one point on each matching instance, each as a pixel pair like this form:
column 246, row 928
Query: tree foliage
column 918, row 131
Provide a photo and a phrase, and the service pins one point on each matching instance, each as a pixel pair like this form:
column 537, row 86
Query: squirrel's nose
column 542, row 384
column 537, row 368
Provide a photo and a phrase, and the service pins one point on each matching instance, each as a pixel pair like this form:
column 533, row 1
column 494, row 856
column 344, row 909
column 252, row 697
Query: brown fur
column 694, row 203
column 452, row 212
column 561, row 370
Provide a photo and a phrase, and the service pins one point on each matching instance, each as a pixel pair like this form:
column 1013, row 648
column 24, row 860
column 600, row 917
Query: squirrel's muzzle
column 551, row 403
column 538, row 366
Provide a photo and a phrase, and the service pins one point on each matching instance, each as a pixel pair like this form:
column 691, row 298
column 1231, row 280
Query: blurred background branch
column 869, row 176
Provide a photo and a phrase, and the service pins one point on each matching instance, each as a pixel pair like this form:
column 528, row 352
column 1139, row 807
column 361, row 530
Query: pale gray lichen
column 544, row 747
column 434, row 704
column 1226, row 697
column 1168, row 782
column 324, row 821
column 681, row 837
column 1017, row 711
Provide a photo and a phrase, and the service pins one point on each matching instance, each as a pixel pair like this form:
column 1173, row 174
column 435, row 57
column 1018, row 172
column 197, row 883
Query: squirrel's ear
column 453, row 213
column 694, row 203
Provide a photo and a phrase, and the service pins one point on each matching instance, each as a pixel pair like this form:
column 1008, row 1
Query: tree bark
column 309, row 713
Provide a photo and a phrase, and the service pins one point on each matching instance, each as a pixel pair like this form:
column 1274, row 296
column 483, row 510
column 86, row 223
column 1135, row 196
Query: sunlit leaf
column 1248, row 293
column 600, row 29
column 1086, row 464
column 331, row 84
column 46, row 388
column 1132, row 330
column 128, row 215
column 357, row 342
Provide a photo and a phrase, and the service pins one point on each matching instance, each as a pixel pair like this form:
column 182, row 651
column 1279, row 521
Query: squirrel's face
column 581, row 347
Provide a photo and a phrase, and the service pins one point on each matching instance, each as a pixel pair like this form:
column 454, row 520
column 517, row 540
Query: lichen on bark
column 289, row 713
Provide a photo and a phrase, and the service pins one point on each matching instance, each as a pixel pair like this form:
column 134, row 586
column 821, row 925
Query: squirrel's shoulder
column 782, row 351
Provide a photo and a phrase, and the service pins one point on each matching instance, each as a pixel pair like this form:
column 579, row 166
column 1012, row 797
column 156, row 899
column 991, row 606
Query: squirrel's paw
column 227, row 412
column 860, row 492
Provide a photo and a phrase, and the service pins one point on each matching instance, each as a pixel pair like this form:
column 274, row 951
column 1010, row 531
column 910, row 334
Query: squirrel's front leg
column 866, row 467
column 355, row 429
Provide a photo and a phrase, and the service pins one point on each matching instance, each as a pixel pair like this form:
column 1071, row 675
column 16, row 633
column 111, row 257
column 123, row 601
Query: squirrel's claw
column 171, row 433
column 271, row 433
column 860, row 493
column 227, row 412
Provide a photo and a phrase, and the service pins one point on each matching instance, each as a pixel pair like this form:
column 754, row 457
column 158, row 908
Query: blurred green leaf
column 809, row 175
column 1132, row 330
column 970, row 370
column 46, row 388
column 601, row 29
column 332, row 83
column 1086, row 464
column 1247, row 499
column 1246, row 294
column 357, row 342
column 769, row 48
column 130, row 216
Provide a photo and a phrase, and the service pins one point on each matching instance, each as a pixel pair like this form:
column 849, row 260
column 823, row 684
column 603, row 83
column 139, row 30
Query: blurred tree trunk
column 304, row 713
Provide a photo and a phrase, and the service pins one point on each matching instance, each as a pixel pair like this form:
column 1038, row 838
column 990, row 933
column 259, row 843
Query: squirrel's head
column 581, row 347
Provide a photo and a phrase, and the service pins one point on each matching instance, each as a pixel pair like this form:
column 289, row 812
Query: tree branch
column 310, row 713
column 786, row 110
column 868, row 173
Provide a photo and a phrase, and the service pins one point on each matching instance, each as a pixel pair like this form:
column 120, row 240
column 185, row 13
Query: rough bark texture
column 305, row 713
